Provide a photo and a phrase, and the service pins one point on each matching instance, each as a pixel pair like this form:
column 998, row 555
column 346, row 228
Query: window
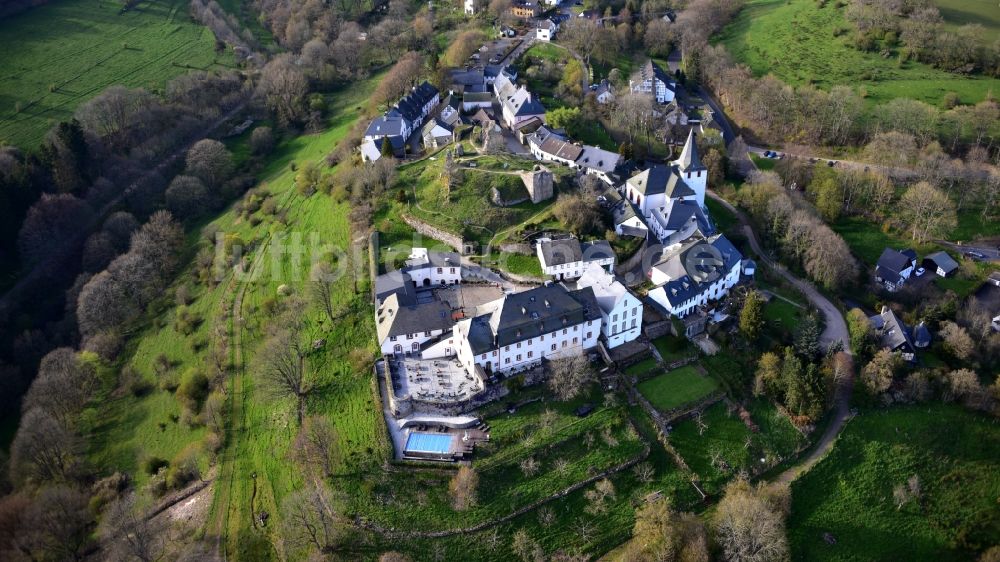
column 529, row 341
column 574, row 341
column 507, row 361
column 553, row 347
column 392, row 338
column 588, row 335
column 494, row 353
column 427, row 334
column 409, row 336
column 564, row 343
column 635, row 311
column 564, row 331
column 453, row 270
column 440, row 270
column 519, row 345
column 507, row 348
column 530, row 354
column 518, row 356
column 633, row 322
column 576, row 328
column 614, row 318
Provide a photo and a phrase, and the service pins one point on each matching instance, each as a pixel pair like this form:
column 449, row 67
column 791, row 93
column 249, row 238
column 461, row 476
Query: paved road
column 834, row 332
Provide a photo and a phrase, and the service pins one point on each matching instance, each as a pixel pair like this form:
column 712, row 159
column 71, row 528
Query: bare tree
column 879, row 372
column 462, row 488
column 283, row 88
column 598, row 496
column 50, row 223
column 956, row 340
column 748, row 526
column 309, row 521
column 526, row 548
column 570, row 376
column 187, row 197
column 43, row 449
column 317, row 444
column 210, row 161
column 927, row 211
column 63, row 386
column 398, row 80
column 284, row 359
column 130, row 534
column 321, row 287
column 57, row 525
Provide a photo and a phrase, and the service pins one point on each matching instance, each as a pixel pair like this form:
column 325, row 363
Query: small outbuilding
column 941, row 263
column 921, row 336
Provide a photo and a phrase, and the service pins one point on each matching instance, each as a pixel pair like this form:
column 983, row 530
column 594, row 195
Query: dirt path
column 834, row 332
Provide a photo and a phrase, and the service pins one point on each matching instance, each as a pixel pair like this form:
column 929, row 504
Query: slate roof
column 624, row 210
column 921, row 335
column 395, row 282
column 597, row 250
column 560, row 251
column 652, row 70
column 695, row 268
column 604, row 86
column 893, row 260
column 893, row 334
column 390, row 124
column 539, row 311
column 943, row 260
column 396, row 318
column 523, row 103
column 469, row 77
column 651, row 181
column 476, row 97
column 598, row 159
column 607, row 290
column 689, row 160
column 679, row 214
column 560, row 148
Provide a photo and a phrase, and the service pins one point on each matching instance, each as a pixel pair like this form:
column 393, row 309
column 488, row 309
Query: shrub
column 193, row 389
column 183, row 467
column 185, row 321
column 151, row 465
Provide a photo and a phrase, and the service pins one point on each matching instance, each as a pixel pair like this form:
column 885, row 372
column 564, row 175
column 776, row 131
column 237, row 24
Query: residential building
column 470, row 7
column 525, row 9
column 596, row 161
column 428, row 268
column 694, row 273
column 397, row 124
column 604, row 93
column 652, row 80
column 545, row 30
column 567, row 258
column 893, row 334
column 685, row 178
column 402, row 326
column 621, row 311
column 519, row 105
column 895, row 267
column 940, row 263
column 548, row 145
column 628, row 219
column 437, row 133
column 522, row 329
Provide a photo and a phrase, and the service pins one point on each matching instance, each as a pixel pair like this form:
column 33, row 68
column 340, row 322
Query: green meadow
column 795, row 41
column 61, row 54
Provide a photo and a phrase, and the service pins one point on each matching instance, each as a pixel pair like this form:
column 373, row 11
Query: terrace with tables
column 441, row 381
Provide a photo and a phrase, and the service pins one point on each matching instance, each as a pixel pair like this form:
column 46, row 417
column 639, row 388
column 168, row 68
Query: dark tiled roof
column 702, row 267
column 652, row 70
column 943, row 260
column 651, row 181
column 689, row 160
column 893, row 334
column 538, row 311
column 395, row 282
column 560, row 251
column 560, row 148
column 395, row 318
column 597, row 250
column 892, row 260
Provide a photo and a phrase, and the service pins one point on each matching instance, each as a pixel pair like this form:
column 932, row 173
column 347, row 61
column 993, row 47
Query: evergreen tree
column 387, row 148
column 791, row 373
column 807, row 338
column 752, row 316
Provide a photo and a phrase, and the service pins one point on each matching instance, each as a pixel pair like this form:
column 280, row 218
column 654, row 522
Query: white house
column 397, row 124
column 470, row 7
column 604, row 93
column 628, row 219
column 403, row 326
column 621, row 311
column 694, row 274
column 652, row 80
column 894, row 268
column 516, row 103
column 522, row 329
column 598, row 162
column 430, row 268
column 548, row 146
column 566, row 258
column 545, row 30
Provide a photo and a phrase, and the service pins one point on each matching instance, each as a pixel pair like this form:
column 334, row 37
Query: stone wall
column 499, row 201
column 453, row 240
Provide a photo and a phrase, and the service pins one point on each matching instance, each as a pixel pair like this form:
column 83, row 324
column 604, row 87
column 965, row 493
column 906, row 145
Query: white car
column 919, row 271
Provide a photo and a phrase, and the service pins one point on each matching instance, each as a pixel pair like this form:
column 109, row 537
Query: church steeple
column 689, row 161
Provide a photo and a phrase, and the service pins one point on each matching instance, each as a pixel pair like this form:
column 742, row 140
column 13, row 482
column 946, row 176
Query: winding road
column 834, row 332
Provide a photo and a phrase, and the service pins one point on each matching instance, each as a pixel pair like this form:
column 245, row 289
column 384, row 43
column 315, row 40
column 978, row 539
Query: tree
column 807, row 337
column 578, row 212
column 187, row 197
column 50, row 224
column 752, row 315
column 956, row 340
column 964, row 385
column 63, row 386
column 284, row 359
column 43, row 450
column 927, row 211
column 749, row 526
column 526, row 548
column 317, row 445
column 398, row 80
column 598, row 496
column 130, row 533
column 56, row 525
column 210, row 161
column 829, row 198
column 570, row 376
column 571, row 83
column 112, row 113
column 463, row 488
column 308, row 175
column 309, row 521
column 283, row 87
column 879, row 372
column 462, row 47
column 567, row 118
column 860, row 329
column 321, row 279
column 262, row 141
column 768, row 377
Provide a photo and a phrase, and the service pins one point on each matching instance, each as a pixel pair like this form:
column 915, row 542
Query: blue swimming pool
column 439, row 443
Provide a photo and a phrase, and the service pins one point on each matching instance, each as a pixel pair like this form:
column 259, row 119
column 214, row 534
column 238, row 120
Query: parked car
column 978, row 256
column 767, row 153
column 919, row 271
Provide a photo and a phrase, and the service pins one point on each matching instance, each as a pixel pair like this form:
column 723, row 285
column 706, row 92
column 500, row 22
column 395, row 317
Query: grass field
column 794, row 40
column 677, row 387
column 673, row 348
column 960, row 12
column 850, row 493
column 726, row 436
column 59, row 55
